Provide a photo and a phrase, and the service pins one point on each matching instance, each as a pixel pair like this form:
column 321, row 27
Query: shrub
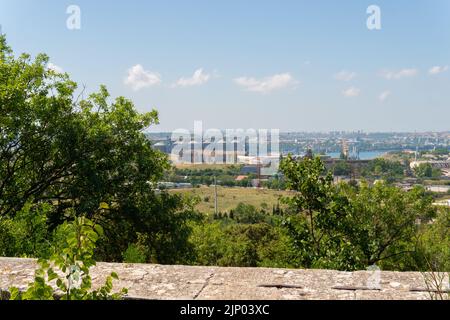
column 74, row 260
column 137, row 252
column 26, row 234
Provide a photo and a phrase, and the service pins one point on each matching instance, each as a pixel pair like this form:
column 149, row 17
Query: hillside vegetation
column 229, row 198
column 69, row 162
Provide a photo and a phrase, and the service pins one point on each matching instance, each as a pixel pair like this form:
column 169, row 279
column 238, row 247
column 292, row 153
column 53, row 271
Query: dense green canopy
column 83, row 156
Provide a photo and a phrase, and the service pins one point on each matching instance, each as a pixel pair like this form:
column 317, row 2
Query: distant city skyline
column 446, row 132
column 302, row 66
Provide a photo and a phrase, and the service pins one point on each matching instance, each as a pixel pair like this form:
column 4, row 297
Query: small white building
column 444, row 203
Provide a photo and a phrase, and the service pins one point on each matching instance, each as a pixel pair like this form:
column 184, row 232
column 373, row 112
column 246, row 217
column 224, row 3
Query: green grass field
column 229, row 198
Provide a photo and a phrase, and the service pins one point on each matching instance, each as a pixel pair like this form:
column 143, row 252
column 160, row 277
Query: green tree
column 352, row 227
column 318, row 219
column 424, row 170
column 342, row 168
column 89, row 156
column 26, row 234
column 225, row 244
column 384, row 223
column 313, row 192
column 385, row 169
column 434, row 243
column 55, row 147
column 248, row 214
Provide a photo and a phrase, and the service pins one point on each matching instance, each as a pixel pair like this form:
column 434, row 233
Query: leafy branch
column 72, row 260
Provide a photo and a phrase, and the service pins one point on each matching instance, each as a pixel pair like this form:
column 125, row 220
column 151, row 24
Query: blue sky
column 290, row 65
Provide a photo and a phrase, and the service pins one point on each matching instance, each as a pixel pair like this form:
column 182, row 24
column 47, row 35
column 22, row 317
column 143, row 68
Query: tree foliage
column 385, row 169
column 351, row 227
column 83, row 156
column 73, row 258
column 232, row 244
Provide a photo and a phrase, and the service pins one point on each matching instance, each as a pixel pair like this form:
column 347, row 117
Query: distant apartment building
column 436, row 164
column 233, row 151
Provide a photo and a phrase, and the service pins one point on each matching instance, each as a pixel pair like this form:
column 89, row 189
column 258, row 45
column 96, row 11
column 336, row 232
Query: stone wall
column 204, row 283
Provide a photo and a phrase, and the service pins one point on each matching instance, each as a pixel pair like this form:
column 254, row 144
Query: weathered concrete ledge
column 206, row 283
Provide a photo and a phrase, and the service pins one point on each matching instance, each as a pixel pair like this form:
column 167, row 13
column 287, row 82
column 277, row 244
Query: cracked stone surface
column 159, row 282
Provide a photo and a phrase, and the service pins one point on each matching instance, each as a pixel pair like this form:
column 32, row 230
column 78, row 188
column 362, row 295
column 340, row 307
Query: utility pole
column 215, row 196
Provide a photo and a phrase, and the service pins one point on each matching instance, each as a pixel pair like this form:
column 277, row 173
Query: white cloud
column 404, row 73
column 55, row 68
column 139, row 78
column 267, row 84
column 351, row 92
column 345, row 75
column 384, row 95
column 437, row 69
column 198, row 78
